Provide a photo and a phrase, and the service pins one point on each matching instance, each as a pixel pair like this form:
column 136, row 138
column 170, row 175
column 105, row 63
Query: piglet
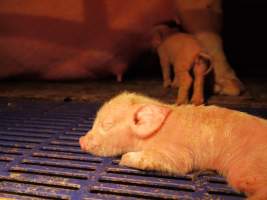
column 151, row 135
column 185, row 53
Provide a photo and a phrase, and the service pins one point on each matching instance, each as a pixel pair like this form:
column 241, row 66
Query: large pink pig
column 69, row 39
column 151, row 135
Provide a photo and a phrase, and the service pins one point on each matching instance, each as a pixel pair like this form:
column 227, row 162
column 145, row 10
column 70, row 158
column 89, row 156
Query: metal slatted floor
column 40, row 158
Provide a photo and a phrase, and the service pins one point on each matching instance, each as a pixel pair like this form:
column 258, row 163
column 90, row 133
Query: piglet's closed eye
column 148, row 119
column 107, row 124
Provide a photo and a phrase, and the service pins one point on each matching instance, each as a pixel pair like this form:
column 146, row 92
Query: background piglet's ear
column 156, row 40
column 159, row 33
column 148, row 119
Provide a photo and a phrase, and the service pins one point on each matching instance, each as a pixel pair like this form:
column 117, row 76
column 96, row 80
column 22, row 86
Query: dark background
column 245, row 36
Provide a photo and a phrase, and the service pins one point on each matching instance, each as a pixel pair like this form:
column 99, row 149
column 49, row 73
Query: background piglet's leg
column 185, row 82
column 165, row 67
column 175, row 82
column 199, row 70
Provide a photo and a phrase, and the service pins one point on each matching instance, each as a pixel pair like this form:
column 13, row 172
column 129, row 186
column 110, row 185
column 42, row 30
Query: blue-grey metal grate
column 40, row 158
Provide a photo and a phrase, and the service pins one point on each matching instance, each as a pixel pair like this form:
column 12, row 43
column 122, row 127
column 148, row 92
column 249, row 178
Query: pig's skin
column 188, row 138
column 71, row 39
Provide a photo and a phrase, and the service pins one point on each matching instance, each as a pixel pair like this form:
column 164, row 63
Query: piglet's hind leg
column 185, row 82
column 261, row 195
column 198, row 90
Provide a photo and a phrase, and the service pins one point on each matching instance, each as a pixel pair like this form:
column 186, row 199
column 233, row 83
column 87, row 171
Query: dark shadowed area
column 245, row 36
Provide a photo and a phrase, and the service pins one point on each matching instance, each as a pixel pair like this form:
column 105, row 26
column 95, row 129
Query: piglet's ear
column 148, row 119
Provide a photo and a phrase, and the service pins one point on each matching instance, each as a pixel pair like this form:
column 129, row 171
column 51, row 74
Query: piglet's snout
column 88, row 143
column 82, row 142
column 85, row 141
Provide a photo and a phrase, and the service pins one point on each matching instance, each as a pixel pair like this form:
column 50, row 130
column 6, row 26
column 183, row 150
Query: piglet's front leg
column 165, row 68
column 156, row 161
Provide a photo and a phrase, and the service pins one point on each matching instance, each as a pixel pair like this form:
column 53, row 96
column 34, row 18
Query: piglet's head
column 124, row 124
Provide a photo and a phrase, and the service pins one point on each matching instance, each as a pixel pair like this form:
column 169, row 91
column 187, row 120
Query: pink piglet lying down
column 151, row 135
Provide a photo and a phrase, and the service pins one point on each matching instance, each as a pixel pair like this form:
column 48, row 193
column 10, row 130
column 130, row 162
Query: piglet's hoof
column 197, row 101
column 167, row 84
column 175, row 84
column 181, row 101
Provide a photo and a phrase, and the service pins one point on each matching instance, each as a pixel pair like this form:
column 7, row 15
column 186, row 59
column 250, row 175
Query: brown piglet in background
column 184, row 53
column 151, row 135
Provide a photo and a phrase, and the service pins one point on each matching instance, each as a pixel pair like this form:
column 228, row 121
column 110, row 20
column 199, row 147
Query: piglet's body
column 185, row 53
column 156, row 136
